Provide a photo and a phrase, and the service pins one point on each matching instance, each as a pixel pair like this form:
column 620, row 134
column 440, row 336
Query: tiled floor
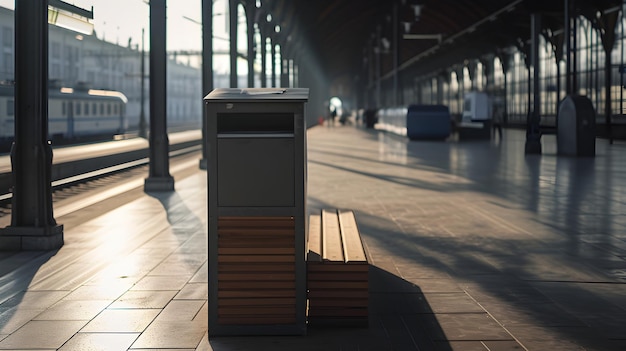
column 134, row 277
column 474, row 246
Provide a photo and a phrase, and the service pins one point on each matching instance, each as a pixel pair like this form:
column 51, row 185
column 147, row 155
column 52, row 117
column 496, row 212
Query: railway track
column 88, row 175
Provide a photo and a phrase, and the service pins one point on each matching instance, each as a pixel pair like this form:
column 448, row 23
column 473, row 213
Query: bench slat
column 314, row 245
column 332, row 249
column 352, row 245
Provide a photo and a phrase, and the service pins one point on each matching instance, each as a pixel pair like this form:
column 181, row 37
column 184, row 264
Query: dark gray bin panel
column 255, row 171
column 256, row 181
column 576, row 128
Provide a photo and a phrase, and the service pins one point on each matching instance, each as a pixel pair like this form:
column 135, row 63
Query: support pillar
column 143, row 124
column 378, row 73
column 274, row 64
column 533, row 131
column 233, row 11
column 609, row 22
column 159, row 178
column 33, row 226
column 571, row 73
column 207, row 67
column 250, row 10
column 284, row 73
column 263, row 59
column 396, row 54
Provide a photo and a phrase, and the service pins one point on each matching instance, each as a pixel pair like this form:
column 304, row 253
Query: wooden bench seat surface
column 334, row 238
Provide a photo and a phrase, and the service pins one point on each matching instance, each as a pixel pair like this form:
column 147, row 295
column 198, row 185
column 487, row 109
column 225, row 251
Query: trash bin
column 257, row 218
column 428, row 122
column 576, row 127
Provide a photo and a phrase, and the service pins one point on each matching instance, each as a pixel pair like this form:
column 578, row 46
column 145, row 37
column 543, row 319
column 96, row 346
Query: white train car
column 72, row 113
column 477, row 107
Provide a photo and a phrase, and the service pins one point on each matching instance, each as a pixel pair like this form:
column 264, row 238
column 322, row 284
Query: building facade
column 77, row 59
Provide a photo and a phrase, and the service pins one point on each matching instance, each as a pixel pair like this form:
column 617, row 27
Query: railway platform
column 473, row 246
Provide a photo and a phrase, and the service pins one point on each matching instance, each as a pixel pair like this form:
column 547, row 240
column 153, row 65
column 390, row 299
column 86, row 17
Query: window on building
column 78, row 105
column 8, row 63
column 86, row 109
column 10, row 107
column 7, row 36
column 55, row 49
column 55, row 71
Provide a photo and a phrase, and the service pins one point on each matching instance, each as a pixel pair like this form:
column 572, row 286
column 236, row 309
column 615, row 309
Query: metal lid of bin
column 258, row 94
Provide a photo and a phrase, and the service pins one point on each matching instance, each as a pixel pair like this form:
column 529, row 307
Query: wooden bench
column 337, row 270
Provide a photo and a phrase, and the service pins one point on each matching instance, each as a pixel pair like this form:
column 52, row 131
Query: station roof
column 342, row 33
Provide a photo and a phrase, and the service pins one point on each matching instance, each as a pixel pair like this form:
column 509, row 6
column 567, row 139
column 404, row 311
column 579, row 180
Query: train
column 73, row 113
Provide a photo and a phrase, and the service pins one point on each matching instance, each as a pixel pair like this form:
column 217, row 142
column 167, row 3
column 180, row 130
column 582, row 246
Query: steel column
column 273, row 64
column 207, row 67
column 33, row 226
column 263, row 59
column 284, row 73
column 533, row 132
column 143, row 133
column 250, row 13
column 233, row 11
column 159, row 178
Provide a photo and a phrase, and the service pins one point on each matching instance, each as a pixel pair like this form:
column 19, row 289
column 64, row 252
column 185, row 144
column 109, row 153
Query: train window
column 94, row 108
column 101, row 108
column 86, row 108
column 467, row 105
column 77, row 109
column 115, row 109
column 108, row 109
column 63, row 107
column 10, row 107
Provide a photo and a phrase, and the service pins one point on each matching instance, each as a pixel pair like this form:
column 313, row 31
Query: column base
column 533, row 146
column 203, row 163
column 31, row 238
column 159, row 184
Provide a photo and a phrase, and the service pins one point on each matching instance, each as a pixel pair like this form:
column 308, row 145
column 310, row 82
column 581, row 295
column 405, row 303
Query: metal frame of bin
column 256, row 153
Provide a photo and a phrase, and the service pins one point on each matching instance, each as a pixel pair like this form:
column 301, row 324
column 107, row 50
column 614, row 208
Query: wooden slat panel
column 227, row 294
column 267, row 301
column 314, row 243
column 227, row 285
column 256, row 243
column 256, row 320
column 352, row 245
column 255, row 276
column 255, row 231
column 257, row 251
column 336, row 267
column 256, row 310
column 331, row 237
column 344, row 302
column 328, row 294
column 255, row 258
column 337, row 285
column 256, row 267
column 340, row 276
column 339, row 312
column 256, row 271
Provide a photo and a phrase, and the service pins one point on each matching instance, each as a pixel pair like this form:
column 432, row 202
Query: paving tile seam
column 497, row 321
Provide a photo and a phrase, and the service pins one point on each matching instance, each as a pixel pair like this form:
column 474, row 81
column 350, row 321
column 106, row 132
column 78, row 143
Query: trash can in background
column 256, row 152
column 576, row 127
column 428, row 122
